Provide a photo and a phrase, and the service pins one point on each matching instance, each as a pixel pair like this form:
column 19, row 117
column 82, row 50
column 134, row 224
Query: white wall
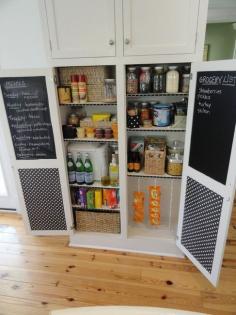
column 21, row 39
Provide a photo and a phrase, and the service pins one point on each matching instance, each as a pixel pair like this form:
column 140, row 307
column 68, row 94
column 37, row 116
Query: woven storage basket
column 155, row 162
column 98, row 221
column 95, row 79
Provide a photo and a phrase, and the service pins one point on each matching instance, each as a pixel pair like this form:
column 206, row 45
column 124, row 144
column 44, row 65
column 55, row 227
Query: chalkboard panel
column 27, row 108
column 213, row 125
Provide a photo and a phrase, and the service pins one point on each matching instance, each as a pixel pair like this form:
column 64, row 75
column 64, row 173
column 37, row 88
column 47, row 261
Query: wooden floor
column 39, row 274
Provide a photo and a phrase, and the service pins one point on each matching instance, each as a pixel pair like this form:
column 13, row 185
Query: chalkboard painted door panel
column 209, row 174
column 30, row 115
column 80, row 28
column 160, row 27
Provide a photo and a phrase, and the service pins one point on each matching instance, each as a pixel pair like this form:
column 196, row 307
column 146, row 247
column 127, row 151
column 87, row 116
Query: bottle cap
column 82, row 78
column 74, row 78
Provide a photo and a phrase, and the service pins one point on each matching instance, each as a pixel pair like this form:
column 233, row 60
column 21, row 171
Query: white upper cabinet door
column 154, row 27
column 209, row 173
column 79, row 28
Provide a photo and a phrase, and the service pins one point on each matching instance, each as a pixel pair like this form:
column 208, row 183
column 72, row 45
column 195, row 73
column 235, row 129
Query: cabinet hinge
column 55, row 79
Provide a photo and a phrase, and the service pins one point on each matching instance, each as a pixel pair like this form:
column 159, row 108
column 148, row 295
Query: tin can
column 161, row 115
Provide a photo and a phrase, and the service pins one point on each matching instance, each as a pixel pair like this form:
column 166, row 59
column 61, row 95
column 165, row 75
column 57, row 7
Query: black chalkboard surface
column 213, row 125
column 27, row 108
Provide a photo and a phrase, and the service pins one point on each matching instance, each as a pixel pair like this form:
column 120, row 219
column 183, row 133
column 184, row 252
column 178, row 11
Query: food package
column 101, row 117
column 138, row 206
column 98, row 198
column 82, row 200
column 90, row 199
column 154, row 205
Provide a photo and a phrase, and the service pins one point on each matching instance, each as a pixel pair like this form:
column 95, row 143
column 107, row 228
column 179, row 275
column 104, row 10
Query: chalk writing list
column 27, row 108
column 213, row 125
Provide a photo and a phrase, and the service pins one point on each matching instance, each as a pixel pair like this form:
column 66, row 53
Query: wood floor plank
column 39, row 274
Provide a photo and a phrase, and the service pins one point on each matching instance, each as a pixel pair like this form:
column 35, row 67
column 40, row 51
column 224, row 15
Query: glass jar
column 144, row 112
column 132, row 81
column 133, row 120
column 174, row 164
column 73, row 119
column 145, row 80
column 185, row 83
column 172, row 80
column 159, row 80
column 175, row 147
column 109, row 90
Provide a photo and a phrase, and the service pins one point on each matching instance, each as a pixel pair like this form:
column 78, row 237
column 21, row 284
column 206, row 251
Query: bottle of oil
column 114, row 172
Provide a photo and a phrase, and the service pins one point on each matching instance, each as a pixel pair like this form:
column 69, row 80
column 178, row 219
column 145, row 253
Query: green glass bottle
column 80, row 173
column 71, row 168
column 88, row 167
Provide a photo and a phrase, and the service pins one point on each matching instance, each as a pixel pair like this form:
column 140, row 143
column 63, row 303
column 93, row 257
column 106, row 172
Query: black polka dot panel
column 202, row 211
column 43, row 198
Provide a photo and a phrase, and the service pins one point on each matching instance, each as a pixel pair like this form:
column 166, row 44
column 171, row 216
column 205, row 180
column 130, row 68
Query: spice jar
column 75, row 88
column 144, row 112
column 132, row 81
column 145, row 80
column 174, row 164
column 109, row 90
column 73, row 119
column 185, row 83
column 172, row 80
column 159, row 80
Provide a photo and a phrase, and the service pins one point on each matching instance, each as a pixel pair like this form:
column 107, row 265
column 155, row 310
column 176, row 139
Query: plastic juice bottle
column 80, row 173
column 71, row 168
column 88, row 168
column 114, row 172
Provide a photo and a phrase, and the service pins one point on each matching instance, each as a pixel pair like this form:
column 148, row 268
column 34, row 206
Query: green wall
column 220, row 37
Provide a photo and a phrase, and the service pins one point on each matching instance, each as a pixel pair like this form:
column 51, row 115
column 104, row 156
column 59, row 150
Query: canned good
column 161, row 115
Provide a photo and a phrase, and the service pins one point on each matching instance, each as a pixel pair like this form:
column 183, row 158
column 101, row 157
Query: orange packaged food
column 138, row 206
column 154, row 205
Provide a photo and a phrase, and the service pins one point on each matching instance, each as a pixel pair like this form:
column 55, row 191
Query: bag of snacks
column 154, row 205
column 138, row 206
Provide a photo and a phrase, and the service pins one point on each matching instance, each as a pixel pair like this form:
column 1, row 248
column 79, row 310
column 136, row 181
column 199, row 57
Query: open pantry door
column 30, row 115
column 209, row 173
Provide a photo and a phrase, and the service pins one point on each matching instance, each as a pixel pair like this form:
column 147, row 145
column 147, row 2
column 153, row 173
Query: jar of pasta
column 174, row 164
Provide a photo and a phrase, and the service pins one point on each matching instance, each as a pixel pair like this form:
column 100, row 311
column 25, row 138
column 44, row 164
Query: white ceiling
column 222, row 11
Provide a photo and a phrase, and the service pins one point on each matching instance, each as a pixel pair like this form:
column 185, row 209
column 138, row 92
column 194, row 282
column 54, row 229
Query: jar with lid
column 145, row 80
column 172, row 80
column 185, row 83
column 159, row 80
column 175, row 147
column 132, row 81
column 73, row 119
column 161, row 115
column 144, row 112
column 174, row 164
column 109, row 90
column 133, row 115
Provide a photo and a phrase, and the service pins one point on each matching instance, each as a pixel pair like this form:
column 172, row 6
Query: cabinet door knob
column 127, row 41
column 111, row 42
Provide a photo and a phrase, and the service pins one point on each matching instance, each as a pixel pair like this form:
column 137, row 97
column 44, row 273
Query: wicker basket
column 155, row 162
column 98, row 221
column 95, row 79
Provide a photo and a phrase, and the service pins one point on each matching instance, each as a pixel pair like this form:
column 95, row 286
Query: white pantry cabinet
column 108, row 28
column 160, row 27
column 80, row 28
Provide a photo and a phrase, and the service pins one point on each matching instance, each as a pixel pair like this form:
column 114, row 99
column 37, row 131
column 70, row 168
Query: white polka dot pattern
column 43, row 198
column 202, row 213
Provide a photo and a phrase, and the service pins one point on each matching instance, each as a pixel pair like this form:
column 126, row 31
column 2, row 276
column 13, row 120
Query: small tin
column 161, row 115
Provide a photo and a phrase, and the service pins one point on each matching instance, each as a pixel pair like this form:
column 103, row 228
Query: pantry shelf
column 91, row 209
column 96, row 184
column 142, row 174
column 157, row 94
column 169, row 128
column 90, row 140
column 87, row 104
